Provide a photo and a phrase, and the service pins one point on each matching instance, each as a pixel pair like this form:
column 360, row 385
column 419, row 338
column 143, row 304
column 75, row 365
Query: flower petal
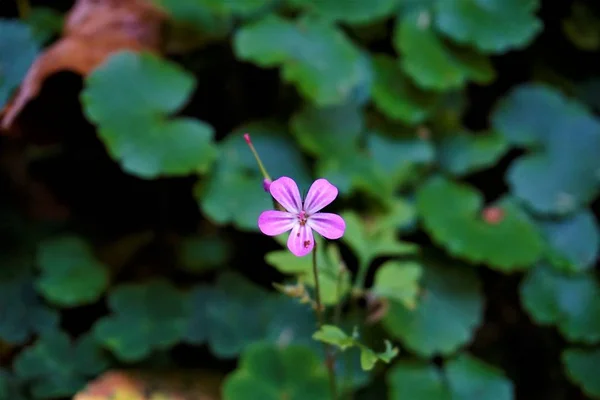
column 328, row 225
column 286, row 192
column 320, row 194
column 274, row 223
column 301, row 240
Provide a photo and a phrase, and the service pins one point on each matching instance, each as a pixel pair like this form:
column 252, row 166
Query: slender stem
column 361, row 275
column 23, row 8
column 329, row 357
column 262, row 168
column 337, row 316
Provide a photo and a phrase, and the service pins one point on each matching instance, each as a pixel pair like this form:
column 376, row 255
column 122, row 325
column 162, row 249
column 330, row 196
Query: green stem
column 329, row 357
column 261, row 166
column 361, row 275
column 23, row 8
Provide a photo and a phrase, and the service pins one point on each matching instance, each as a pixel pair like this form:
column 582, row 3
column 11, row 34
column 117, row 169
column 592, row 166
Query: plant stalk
column 329, row 356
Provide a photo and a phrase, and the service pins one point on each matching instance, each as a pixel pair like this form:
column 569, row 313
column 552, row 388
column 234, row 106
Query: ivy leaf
column 145, row 317
column 199, row 254
column 54, row 366
column 396, row 97
column 449, row 212
column 353, row 13
column 433, row 64
column 570, row 302
column 233, row 192
column 464, row 377
column 398, row 281
column 18, row 50
column 495, row 26
column 464, row 153
column 71, row 275
column 448, row 311
column 23, row 314
column 575, row 239
column 136, row 127
column 581, row 366
column 314, row 55
column 269, row 372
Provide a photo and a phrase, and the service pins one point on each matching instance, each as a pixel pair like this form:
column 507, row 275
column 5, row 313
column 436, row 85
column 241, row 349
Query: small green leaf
column 582, row 369
column 199, row 254
column 433, row 64
column 333, row 335
column 398, row 281
column 136, row 127
column 356, row 12
column 451, row 215
column 233, row 192
column 269, row 372
column 448, row 311
column 396, row 97
column 314, row 55
column 368, row 358
column 464, row 153
column 54, row 366
column 464, row 377
column 18, row 50
column 569, row 302
column 145, row 317
column 494, row 26
column 71, row 275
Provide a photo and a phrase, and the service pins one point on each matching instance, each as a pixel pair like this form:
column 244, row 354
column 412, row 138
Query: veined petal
column 320, row 194
column 328, row 225
column 274, row 222
column 286, row 192
column 301, row 240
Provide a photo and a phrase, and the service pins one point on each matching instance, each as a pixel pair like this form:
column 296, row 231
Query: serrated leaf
column 493, row 26
column 54, row 366
column 432, row 63
column 575, row 239
column 18, row 49
column 333, row 335
column 396, row 97
column 569, row 302
column 582, row 369
column 464, row 153
column 464, row 377
column 269, row 372
column 451, row 216
column 368, row 357
column 448, row 311
column 136, row 126
column 398, row 281
column 71, row 275
column 145, row 317
column 314, row 55
column 233, row 192
column 357, row 12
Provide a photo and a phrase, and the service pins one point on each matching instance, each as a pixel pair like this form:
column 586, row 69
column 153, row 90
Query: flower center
column 303, row 217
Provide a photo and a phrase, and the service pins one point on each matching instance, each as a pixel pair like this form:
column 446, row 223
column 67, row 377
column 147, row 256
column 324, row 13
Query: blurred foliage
column 463, row 137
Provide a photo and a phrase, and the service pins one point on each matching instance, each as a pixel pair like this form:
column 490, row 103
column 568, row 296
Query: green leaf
column 493, row 26
column 396, row 97
column 314, row 55
column 271, row 373
column 329, row 266
column 448, row 311
column 575, row 239
column 433, row 64
column 233, row 192
column 199, row 254
column 333, row 335
column 23, row 313
column 9, row 387
column 45, row 23
column 368, row 357
column 71, row 275
column 18, row 50
column 581, row 27
column 464, row 377
column 451, row 216
column 54, row 366
column 398, row 281
column 145, row 317
column 582, row 369
column 136, row 126
column 357, row 12
column 569, row 302
column 464, row 153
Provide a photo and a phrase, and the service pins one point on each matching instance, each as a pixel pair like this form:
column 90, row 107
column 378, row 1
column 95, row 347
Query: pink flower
column 302, row 217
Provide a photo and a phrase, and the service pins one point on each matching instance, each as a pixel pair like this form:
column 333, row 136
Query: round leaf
column 398, row 281
column 464, row 153
column 71, row 275
column 582, row 369
column 447, row 313
column 451, row 215
column 135, row 126
column 356, row 12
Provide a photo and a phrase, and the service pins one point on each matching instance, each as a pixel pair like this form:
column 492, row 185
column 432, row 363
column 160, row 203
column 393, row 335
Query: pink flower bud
column 267, row 185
